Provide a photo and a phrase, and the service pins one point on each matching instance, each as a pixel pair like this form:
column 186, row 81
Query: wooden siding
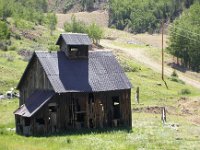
column 35, row 79
column 79, row 110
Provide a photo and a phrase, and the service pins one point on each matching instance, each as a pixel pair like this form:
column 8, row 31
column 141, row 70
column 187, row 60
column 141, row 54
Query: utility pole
column 162, row 25
column 162, row 50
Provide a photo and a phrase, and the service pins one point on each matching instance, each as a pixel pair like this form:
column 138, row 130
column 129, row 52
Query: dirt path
column 139, row 55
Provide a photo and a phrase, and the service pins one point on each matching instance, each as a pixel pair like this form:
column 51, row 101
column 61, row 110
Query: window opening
column 40, row 121
column 27, row 121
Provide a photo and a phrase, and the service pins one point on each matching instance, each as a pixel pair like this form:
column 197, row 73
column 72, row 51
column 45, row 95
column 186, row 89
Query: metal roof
column 34, row 103
column 100, row 72
column 74, row 39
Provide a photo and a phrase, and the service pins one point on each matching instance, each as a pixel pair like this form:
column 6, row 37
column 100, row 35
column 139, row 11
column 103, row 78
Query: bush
column 185, row 92
column 3, row 46
column 53, row 48
column 23, row 24
column 4, row 31
column 10, row 58
column 75, row 26
column 51, row 21
column 12, row 48
column 175, row 79
column 174, row 74
column 94, row 31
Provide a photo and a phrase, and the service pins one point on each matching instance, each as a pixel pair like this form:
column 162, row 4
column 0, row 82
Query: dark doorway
column 116, row 107
column 53, row 117
column 91, row 110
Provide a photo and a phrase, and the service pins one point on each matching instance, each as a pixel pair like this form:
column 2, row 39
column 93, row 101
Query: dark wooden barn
column 73, row 88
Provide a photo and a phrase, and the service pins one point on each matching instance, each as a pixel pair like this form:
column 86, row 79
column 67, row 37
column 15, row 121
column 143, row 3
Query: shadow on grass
column 83, row 131
column 178, row 67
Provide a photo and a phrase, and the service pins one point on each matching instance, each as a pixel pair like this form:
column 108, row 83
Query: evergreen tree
column 52, row 22
column 184, row 40
column 4, row 31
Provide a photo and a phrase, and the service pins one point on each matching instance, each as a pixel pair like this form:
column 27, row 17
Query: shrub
column 4, row 31
column 51, row 21
column 75, row 26
column 12, row 48
column 10, row 58
column 185, row 92
column 53, row 48
column 174, row 74
column 94, row 31
column 23, row 24
column 175, row 79
column 3, row 46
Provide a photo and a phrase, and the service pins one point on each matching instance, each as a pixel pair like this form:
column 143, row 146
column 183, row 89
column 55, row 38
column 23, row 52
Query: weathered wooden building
column 73, row 88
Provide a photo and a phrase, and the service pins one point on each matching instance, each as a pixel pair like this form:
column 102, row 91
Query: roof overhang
column 34, row 103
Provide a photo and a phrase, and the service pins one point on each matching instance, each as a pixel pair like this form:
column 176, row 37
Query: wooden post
column 162, row 51
column 164, row 117
column 137, row 95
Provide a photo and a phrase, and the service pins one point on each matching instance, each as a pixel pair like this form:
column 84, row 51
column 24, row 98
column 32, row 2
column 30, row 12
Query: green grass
column 11, row 64
column 147, row 133
column 11, row 69
column 129, row 46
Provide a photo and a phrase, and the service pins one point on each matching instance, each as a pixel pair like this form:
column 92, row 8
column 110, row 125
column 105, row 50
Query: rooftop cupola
column 75, row 45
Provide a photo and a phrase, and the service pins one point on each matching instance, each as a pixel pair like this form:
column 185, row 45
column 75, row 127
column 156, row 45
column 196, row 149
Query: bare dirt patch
column 188, row 106
column 185, row 107
column 155, row 109
column 99, row 17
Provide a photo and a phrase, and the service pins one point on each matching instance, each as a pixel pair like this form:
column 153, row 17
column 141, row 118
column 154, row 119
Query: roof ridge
column 72, row 33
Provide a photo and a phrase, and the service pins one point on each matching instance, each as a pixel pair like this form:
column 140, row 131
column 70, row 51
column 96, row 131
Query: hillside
column 87, row 17
column 73, row 6
column 139, row 56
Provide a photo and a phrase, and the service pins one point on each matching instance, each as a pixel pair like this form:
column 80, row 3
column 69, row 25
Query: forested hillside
column 184, row 42
column 20, row 19
column 31, row 10
column 64, row 6
column 135, row 16
column 144, row 16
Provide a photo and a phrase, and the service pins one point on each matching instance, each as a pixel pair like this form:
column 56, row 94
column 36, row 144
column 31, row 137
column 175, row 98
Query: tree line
column 184, row 40
column 139, row 16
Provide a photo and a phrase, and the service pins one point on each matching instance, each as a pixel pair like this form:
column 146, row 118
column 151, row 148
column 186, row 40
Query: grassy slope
column 11, row 68
column 12, row 65
column 147, row 132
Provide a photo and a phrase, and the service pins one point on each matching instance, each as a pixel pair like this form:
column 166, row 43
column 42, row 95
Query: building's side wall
column 81, row 53
column 64, row 47
column 78, row 110
column 35, row 79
